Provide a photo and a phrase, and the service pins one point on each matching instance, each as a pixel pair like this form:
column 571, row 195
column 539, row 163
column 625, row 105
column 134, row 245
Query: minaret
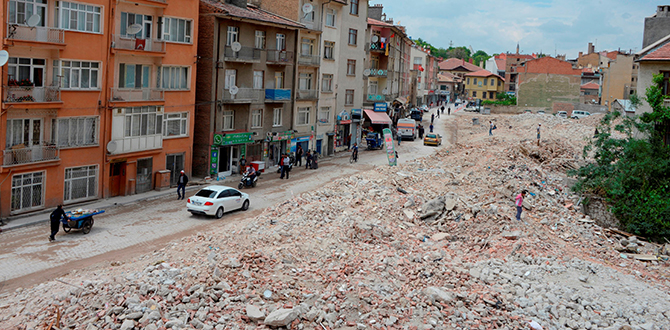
column 517, row 48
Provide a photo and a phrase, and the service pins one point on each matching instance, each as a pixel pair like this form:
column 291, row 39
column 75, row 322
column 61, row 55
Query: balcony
column 244, row 95
column 246, row 54
column 279, row 95
column 307, row 94
column 378, row 98
column 38, row 34
column 20, row 154
column 21, row 94
column 375, row 47
column 137, row 95
column 311, row 60
column 310, row 23
column 139, row 45
column 376, row 73
column 281, row 57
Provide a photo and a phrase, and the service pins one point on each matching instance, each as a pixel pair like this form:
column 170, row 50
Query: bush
column 501, row 99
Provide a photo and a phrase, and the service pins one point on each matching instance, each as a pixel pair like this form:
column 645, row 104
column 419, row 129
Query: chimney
column 238, row 3
column 580, row 54
column 662, row 11
column 375, row 11
column 592, row 48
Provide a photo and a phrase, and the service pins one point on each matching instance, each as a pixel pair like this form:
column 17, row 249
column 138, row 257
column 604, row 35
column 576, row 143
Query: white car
column 562, row 114
column 424, row 108
column 578, row 114
column 216, row 200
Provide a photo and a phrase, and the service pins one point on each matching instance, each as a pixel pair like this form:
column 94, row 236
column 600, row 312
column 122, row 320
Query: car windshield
column 431, row 136
column 206, row 193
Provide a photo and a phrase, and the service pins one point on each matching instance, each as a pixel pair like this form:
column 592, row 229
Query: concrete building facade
column 546, row 80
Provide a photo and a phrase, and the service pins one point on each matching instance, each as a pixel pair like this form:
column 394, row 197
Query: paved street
column 126, row 231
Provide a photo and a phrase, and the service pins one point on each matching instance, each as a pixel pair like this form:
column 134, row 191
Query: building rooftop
column 590, row 85
column 454, row 63
column 658, row 54
column 483, row 73
column 251, row 13
column 373, row 21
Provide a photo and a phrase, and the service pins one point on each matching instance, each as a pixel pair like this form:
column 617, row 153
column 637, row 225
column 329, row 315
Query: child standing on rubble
column 519, row 204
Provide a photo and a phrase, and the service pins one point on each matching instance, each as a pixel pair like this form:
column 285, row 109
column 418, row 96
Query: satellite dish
column 375, row 38
column 111, row 146
column 34, row 20
column 134, row 29
column 233, row 90
column 307, row 8
column 236, row 46
column 385, row 91
column 4, row 57
column 366, row 72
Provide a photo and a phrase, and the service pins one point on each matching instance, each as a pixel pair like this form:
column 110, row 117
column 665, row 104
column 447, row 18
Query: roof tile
column 454, row 63
column 250, row 12
column 662, row 53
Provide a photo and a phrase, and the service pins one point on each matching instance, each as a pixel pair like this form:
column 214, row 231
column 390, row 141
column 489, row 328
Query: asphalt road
column 28, row 258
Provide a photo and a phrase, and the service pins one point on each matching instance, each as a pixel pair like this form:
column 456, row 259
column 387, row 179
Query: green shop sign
column 232, row 138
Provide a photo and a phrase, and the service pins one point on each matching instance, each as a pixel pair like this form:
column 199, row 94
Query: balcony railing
column 38, row 33
column 31, row 94
column 245, row 54
column 376, row 47
column 20, row 154
column 244, row 95
column 132, row 43
column 374, row 72
column 312, row 24
column 135, row 95
column 309, row 60
column 307, row 94
column 378, row 98
column 280, row 56
column 277, row 95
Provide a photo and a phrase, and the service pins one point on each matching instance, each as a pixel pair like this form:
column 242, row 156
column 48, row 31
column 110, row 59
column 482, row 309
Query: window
column 173, row 78
column 258, row 79
column 143, row 121
column 176, row 124
column 305, row 82
column 327, row 83
column 374, row 62
column 373, row 87
column 328, row 50
column 24, row 131
column 486, row 81
column 228, row 120
column 257, row 118
column 303, row 115
column 499, row 83
column 231, row 78
column 491, row 96
column 128, row 19
column 468, row 81
column 353, row 36
column 80, row 183
column 134, row 75
column 474, row 81
column 418, row 85
column 260, row 40
column 76, row 74
column 324, row 115
column 175, row 29
column 493, row 83
column 232, row 35
column 331, row 16
column 417, row 61
column 353, row 7
column 351, row 67
column 665, row 86
column 483, row 95
column 76, row 132
column 281, row 41
column 78, row 16
column 279, row 79
column 307, row 46
column 31, row 69
column 21, row 10
column 474, row 93
column 349, row 97
column 276, row 117
column 27, row 190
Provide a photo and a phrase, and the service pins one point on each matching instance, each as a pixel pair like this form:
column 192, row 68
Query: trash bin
column 258, row 166
column 162, row 180
column 475, row 121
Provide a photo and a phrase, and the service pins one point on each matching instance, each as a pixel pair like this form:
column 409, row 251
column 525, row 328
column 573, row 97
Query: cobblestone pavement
column 147, row 224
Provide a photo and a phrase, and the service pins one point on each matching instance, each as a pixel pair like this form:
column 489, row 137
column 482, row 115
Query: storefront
column 376, row 121
column 343, row 131
column 355, row 133
column 276, row 143
column 302, row 141
column 226, row 152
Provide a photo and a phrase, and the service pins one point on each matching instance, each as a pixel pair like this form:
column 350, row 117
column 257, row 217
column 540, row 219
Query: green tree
column 633, row 173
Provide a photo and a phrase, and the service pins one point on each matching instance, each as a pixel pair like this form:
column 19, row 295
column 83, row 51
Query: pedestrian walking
column 181, row 185
column 538, row 134
column 399, row 136
column 519, row 204
column 490, row 128
column 285, row 163
column 438, row 113
column 308, row 159
column 432, row 118
column 421, row 130
column 55, row 217
column 431, row 127
column 449, row 111
column 243, row 164
column 442, row 109
column 298, row 156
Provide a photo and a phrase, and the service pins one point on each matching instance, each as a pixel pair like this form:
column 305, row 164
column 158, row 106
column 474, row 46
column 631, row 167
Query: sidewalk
column 42, row 216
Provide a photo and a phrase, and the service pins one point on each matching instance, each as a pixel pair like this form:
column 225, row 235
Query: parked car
column 424, row 108
column 416, row 114
column 432, row 139
column 471, row 108
column 216, row 200
column 407, row 128
column 541, row 112
column 562, row 114
column 578, row 114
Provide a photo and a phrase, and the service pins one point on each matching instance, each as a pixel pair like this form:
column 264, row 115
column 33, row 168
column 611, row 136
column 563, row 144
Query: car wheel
column 245, row 205
column 219, row 213
column 239, row 186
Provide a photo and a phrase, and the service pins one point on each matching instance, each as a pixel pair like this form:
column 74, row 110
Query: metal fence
column 139, row 94
column 38, row 33
column 18, row 155
column 31, row 94
column 132, row 43
column 280, row 56
column 307, row 94
column 244, row 54
column 309, row 60
column 245, row 95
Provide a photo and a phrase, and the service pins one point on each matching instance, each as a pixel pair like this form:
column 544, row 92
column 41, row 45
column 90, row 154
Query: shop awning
column 401, row 100
column 378, row 117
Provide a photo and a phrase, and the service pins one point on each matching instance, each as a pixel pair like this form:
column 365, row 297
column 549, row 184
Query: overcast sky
column 549, row 26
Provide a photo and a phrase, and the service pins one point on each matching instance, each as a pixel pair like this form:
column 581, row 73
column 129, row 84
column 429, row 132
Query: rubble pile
column 431, row 244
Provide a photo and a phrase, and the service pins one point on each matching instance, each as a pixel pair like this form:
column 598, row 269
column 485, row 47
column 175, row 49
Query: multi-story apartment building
column 245, row 86
column 96, row 99
column 425, row 68
column 483, row 85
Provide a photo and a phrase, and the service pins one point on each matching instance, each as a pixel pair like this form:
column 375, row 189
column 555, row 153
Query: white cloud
column 566, row 26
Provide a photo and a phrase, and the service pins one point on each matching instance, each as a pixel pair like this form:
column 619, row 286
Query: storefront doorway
column 229, row 158
column 117, row 179
column 174, row 163
column 144, row 174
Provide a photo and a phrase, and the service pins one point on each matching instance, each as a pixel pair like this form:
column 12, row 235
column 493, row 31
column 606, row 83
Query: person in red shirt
column 519, row 204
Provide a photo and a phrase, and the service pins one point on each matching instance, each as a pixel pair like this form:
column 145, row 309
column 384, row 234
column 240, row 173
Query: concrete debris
column 357, row 254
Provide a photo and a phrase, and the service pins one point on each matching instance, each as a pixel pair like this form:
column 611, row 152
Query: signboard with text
column 381, row 107
column 232, row 138
column 390, row 148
